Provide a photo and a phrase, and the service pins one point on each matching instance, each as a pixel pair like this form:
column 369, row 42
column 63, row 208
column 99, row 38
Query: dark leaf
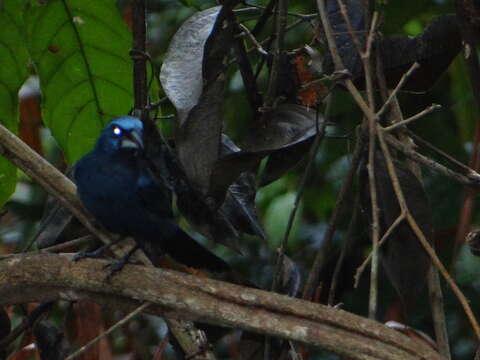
column 205, row 42
column 346, row 47
column 50, row 341
column 197, row 54
column 287, row 135
column 237, row 213
column 291, row 278
column 289, row 125
column 198, row 141
column 228, row 169
column 239, row 205
column 284, row 159
column 208, row 221
column 403, row 257
column 434, row 49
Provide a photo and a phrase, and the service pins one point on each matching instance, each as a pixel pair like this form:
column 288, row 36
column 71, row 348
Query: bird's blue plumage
column 116, row 186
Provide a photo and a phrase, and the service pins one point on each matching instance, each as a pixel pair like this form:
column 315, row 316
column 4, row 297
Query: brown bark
column 27, row 278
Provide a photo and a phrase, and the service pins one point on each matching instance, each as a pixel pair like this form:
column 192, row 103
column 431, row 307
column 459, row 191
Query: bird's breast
column 107, row 190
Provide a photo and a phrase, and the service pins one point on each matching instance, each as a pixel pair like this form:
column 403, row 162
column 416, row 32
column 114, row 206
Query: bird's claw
column 87, row 255
column 98, row 253
column 114, row 267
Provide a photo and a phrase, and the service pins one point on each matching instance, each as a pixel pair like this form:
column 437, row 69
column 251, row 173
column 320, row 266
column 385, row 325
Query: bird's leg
column 118, row 265
column 97, row 252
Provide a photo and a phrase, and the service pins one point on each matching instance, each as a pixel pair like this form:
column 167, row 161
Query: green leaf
column 13, row 72
column 80, row 49
column 276, row 219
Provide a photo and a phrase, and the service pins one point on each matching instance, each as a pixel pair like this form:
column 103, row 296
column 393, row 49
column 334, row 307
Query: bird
column 116, row 185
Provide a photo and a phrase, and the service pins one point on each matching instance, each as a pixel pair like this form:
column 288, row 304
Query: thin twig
column 471, row 179
column 469, row 32
column 421, row 237
column 339, row 68
column 397, row 88
column 422, row 142
column 406, row 121
column 301, row 16
column 280, row 25
column 361, row 268
column 338, row 63
column 264, row 43
column 366, row 60
column 278, row 55
column 346, row 245
column 27, row 322
column 139, row 57
column 316, row 81
column 371, row 123
column 350, row 30
column 245, row 66
column 373, row 298
column 108, row 331
column 267, row 12
column 371, row 35
column 319, row 261
column 306, row 174
column 68, row 244
column 252, row 38
column 438, row 312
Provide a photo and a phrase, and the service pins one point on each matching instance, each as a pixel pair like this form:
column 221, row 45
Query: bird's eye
column 117, row 131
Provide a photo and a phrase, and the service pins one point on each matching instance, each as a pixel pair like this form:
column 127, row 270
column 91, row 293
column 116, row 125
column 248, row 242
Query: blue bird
column 116, row 186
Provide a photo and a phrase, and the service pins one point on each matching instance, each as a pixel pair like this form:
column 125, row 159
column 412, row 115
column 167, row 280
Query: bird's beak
column 132, row 140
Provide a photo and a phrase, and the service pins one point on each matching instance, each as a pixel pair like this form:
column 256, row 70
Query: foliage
column 247, row 116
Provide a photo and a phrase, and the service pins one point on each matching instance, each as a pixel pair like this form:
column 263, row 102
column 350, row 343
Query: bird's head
column 122, row 133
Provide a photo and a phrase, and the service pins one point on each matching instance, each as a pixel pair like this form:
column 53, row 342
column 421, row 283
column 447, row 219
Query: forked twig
column 385, row 236
column 397, row 88
column 421, row 237
column 371, row 116
column 406, row 121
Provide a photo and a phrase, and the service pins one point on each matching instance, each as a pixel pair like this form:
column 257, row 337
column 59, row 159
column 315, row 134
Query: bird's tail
column 175, row 242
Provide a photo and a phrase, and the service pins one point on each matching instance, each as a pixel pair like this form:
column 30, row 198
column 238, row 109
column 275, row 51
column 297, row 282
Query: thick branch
column 28, row 278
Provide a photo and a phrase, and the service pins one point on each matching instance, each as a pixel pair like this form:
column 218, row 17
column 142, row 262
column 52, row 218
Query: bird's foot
column 114, row 267
column 98, row 253
column 91, row 254
column 118, row 265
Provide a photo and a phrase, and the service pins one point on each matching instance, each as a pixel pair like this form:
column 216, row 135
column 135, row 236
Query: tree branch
column 139, row 56
column 46, row 277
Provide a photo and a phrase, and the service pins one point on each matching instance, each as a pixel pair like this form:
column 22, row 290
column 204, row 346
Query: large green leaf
column 13, row 72
column 80, row 49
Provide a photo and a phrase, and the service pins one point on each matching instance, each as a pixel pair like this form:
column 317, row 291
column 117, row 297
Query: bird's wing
column 157, row 199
